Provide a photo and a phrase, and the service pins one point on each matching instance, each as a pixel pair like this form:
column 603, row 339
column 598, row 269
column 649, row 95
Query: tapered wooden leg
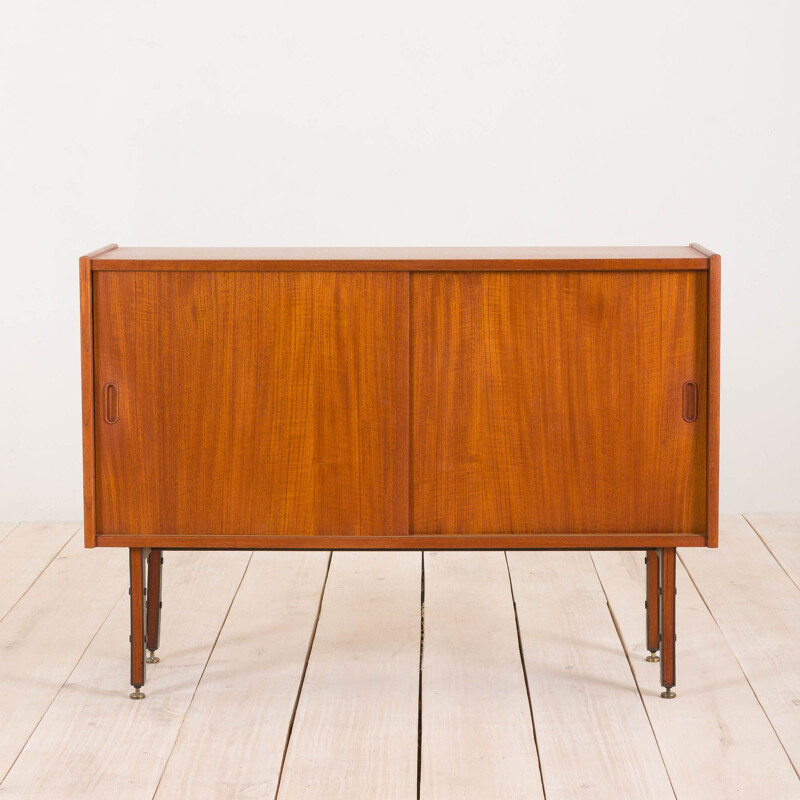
column 137, row 592
column 154, row 561
column 668, row 592
column 652, row 606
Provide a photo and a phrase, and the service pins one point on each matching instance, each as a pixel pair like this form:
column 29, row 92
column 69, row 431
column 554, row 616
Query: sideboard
column 400, row 398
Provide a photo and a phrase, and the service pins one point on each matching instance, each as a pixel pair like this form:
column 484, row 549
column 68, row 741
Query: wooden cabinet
column 400, row 398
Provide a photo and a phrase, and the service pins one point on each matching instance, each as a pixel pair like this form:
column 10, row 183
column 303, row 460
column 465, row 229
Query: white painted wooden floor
column 297, row 675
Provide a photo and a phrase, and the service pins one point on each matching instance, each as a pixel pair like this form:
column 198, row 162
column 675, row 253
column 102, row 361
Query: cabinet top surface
column 349, row 258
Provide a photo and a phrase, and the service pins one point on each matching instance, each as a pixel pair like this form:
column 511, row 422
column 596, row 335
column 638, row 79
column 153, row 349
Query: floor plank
column 43, row 637
column 247, row 695
column 27, row 549
column 781, row 535
column 355, row 732
column 593, row 733
column 757, row 606
column 6, row 528
column 477, row 735
column 94, row 742
column 714, row 737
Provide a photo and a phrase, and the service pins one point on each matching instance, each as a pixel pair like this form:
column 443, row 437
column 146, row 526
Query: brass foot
column 653, row 657
column 137, row 693
column 152, row 658
column 668, row 694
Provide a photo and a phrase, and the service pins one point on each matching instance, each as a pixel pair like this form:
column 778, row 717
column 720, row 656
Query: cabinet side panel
column 87, row 401
column 714, row 298
column 253, row 403
column 552, row 403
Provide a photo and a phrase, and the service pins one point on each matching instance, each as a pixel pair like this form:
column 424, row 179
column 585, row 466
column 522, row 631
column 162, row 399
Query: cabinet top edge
column 401, row 258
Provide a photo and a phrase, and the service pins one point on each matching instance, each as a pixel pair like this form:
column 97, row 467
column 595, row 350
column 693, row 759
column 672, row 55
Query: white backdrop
column 413, row 123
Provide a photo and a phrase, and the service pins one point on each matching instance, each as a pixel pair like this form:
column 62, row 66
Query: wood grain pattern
column 311, row 259
column 475, row 712
column 268, row 403
column 547, row 397
column 512, row 541
column 87, row 392
column 593, row 734
column 552, row 402
column 355, row 732
column 714, row 737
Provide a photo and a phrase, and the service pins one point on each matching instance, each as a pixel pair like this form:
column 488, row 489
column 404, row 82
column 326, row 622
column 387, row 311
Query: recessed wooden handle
column 110, row 402
column 690, row 401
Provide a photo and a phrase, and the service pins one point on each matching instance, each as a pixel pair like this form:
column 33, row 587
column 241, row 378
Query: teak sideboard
column 400, row 398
